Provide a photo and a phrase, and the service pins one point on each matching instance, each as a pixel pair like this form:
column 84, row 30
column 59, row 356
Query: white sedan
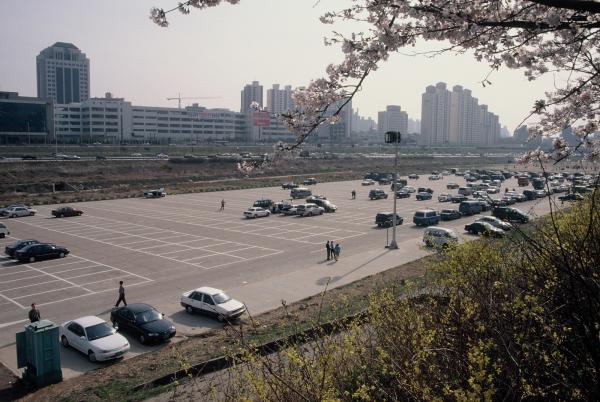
column 368, row 182
column 256, row 212
column 212, row 302
column 93, row 337
column 14, row 212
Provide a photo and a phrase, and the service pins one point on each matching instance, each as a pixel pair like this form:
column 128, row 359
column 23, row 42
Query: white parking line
column 47, row 291
column 12, row 301
column 28, row 286
column 93, row 273
column 57, row 277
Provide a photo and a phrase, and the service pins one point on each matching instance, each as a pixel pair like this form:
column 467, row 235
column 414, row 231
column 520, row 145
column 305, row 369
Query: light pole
column 394, row 137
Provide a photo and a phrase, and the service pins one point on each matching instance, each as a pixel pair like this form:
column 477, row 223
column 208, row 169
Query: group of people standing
column 333, row 252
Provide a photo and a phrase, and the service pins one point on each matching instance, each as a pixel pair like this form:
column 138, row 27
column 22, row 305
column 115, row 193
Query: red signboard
column 261, row 119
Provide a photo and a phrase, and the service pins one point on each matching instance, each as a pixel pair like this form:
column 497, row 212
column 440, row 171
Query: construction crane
column 179, row 98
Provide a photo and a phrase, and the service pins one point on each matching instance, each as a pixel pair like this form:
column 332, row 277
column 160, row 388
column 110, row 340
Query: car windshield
column 221, row 298
column 99, row 331
column 147, row 316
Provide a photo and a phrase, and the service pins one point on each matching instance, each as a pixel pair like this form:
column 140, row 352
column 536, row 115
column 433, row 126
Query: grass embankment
column 33, row 182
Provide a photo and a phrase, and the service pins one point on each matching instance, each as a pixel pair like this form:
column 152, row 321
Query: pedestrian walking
column 353, row 194
column 222, row 205
column 328, row 248
column 34, row 314
column 336, row 251
column 121, row 295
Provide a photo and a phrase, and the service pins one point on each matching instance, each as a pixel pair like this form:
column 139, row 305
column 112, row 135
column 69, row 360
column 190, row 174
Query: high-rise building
column 414, row 126
column 435, row 115
column 392, row 119
column 63, row 74
column 279, row 100
column 251, row 93
column 456, row 118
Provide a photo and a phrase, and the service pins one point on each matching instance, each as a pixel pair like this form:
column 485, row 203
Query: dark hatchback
column 485, row 229
column 11, row 249
column 386, row 219
column 66, row 211
column 450, row 214
column 40, row 251
column 142, row 321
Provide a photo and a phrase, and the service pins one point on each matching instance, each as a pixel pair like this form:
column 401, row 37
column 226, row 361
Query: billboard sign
column 261, row 119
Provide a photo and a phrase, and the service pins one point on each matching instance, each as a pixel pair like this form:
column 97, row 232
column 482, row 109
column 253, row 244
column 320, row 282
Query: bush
column 500, row 320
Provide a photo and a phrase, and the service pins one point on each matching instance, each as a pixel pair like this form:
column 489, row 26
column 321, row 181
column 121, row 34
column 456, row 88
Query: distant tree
column 537, row 36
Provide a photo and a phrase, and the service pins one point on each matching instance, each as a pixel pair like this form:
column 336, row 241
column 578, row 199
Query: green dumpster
column 38, row 350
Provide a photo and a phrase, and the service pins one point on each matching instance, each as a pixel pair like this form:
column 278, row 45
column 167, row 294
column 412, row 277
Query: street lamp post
column 394, row 137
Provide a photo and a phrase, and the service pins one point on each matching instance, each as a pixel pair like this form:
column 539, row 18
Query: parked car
column 300, row 192
column 15, row 212
column 264, row 203
column 530, row 194
column 29, row 157
column 452, row 186
column 458, row 198
column 571, row 197
column 309, row 210
column 422, row 196
column 466, row 191
column 384, row 181
column 469, row 207
column 410, row 189
column 435, row 236
column 402, row 194
column 400, row 183
column 444, row 197
column 11, row 249
column 386, row 219
column 498, row 223
column 162, row 156
column 523, row 181
column 434, row 177
column 493, row 190
column 100, row 157
column 212, row 302
column 426, row 217
column 413, row 176
column 508, row 200
column 368, row 182
column 256, row 212
column 142, row 321
column 40, row 251
column 66, row 211
column 93, row 337
column 510, row 214
column 3, row 231
column 155, row 193
column 484, row 228
column 425, row 189
column 280, row 207
column 377, row 194
column 310, row 181
column 323, row 203
column 450, row 214
column 289, row 185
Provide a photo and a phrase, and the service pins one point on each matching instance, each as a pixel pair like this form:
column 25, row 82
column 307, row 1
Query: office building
column 25, row 120
column 279, row 100
column 63, row 74
column 251, row 93
column 392, row 119
column 435, row 115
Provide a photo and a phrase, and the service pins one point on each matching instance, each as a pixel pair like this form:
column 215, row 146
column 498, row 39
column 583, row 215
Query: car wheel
column 13, row 216
column 189, row 309
column 61, row 216
column 31, row 213
column 310, row 214
column 2, row 235
column 32, row 259
column 142, row 339
column 92, row 356
column 320, row 212
column 115, row 325
column 62, row 255
column 64, row 341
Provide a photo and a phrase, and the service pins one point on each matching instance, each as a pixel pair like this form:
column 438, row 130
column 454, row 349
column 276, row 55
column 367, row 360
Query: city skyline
column 202, row 56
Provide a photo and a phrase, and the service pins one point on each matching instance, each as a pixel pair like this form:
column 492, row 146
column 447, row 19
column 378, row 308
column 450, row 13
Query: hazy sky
column 216, row 52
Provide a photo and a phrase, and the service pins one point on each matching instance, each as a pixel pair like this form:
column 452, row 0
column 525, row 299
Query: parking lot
column 162, row 247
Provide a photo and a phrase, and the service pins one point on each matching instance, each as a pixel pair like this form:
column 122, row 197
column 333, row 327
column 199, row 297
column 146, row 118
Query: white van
column 435, row 236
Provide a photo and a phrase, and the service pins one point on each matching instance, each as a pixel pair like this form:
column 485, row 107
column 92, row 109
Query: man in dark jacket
column 328, row 247
column 34, row 314
column 121, row 295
